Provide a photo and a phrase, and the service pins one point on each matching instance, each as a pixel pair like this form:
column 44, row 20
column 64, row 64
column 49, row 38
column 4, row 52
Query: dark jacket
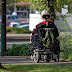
column 50, row 25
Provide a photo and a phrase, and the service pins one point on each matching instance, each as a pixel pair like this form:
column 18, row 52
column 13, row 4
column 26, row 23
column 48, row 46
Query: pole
column 30, row 7
column 3, row 29
column 15, row 6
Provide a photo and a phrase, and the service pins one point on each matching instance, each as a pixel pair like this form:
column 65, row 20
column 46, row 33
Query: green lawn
column 37, row 68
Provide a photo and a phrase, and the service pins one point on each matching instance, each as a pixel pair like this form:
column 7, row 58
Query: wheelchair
column 39, row 50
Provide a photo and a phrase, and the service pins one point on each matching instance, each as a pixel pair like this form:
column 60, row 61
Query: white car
column 19, row 25
column 24, row 25
column 14, row 24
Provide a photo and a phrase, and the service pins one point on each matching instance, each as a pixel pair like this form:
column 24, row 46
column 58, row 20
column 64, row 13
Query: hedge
column 66, row 45
column 18, row 50
column 16, row 30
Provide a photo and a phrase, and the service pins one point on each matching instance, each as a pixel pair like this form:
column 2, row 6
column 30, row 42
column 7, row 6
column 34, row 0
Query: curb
column 17, row 36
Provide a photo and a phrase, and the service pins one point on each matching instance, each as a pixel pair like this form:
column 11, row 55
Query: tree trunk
column 51, row 10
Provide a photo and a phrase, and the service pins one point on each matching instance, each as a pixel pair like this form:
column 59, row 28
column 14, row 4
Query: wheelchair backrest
column 46, row 33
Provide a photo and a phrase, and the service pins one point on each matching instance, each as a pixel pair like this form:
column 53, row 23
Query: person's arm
column 33, row 32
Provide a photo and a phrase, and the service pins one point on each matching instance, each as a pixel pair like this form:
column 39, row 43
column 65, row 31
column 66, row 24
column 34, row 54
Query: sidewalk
column 17, row 36
column 15, row 60
column 25, row 60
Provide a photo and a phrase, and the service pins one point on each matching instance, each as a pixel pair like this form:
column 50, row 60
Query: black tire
column 47, row 59
column 57, row 59
column 39, row 56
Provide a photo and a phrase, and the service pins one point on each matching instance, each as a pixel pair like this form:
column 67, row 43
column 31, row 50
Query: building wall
column 34, row 19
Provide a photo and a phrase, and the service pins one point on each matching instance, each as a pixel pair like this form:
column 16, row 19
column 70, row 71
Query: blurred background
column 24, row 14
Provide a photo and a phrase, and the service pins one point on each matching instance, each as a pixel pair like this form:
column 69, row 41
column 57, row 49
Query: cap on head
column 45, row 14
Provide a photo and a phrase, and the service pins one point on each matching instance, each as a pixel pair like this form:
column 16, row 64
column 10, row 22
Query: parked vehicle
column 14, row 24
column 12, row 18
column 24, row 25
column 11, row 24
column 7, row 23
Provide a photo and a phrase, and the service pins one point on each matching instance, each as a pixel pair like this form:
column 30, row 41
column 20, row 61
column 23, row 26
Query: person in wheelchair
column 40, row 31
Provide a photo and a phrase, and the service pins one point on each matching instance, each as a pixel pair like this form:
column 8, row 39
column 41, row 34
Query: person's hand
column 30, row 41
column 31, row 38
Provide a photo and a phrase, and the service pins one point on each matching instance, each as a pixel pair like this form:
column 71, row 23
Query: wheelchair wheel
column 36, row 57
column 57, row 58
column 46, row 58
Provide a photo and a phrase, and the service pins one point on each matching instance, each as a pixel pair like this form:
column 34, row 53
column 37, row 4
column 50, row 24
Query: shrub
column 70, row 57
column 9, row 29
column 18, row 50
column 17, row 30
column 66, row 45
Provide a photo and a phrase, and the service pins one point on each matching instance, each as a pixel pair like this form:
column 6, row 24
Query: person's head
column 45, row 15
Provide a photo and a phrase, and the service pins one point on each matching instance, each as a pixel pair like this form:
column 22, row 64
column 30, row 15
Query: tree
column 42, row 4
column 50, row 5
column 11, row 2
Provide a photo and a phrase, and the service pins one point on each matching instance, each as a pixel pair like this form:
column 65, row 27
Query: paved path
column 25, row 60
column 17, row 60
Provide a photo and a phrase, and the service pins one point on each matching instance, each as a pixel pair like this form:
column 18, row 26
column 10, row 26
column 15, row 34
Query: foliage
column 11, row 2
column 37, row 68
column 23, row 0
column 43, row 4
column 70, row 57
column 66, row 45
column 18, row 50
column 39, row 4
column 17, row 30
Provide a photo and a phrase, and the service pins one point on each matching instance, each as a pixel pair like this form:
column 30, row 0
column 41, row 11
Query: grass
column 37, row 68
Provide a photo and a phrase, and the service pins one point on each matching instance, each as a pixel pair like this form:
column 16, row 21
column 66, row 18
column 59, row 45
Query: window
column 15, row 25
column 16, row 17
column 12, row 17
column 23, row 24
column 8, row 17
